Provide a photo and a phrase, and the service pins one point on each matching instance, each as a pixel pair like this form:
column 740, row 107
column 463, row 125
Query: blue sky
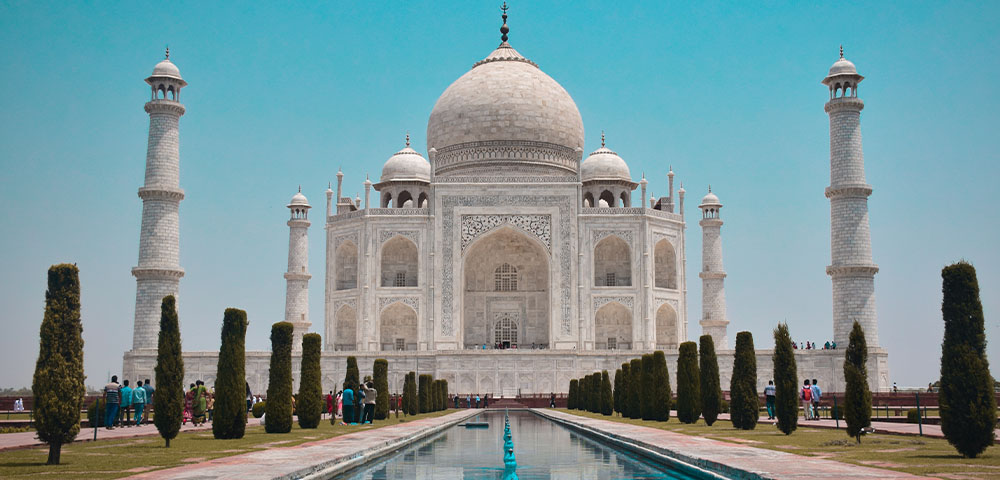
column 284, row 94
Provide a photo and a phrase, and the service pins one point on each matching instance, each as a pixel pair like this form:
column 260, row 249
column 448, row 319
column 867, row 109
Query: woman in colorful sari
column 188, row 405
column 200, row 403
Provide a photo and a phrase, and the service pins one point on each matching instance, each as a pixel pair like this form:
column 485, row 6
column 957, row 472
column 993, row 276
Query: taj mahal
column 506, row 259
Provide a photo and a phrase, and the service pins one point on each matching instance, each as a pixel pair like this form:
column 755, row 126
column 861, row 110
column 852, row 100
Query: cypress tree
column 169, row 371
column 968, row 405
column 607, row 400
column 278, row 408
column 744, row 404
column 410, row 394
column 571, row 398
column 309, row 402
column 58, row 382
column 598, row 393
column 424, row 393
column 444, row 394
column 594, row 393
column 625, row 390
column 583, row 401
column 435, row 395
column 634, row 395
column 380, row 372
column 688, row 384
column 660, row 395
column 711, row 391
column 230, row 416
column 786, row 402
column 617, row 395
column 857, row 397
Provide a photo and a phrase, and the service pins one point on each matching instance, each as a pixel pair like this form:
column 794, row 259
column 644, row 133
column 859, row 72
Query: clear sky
column 284, row 94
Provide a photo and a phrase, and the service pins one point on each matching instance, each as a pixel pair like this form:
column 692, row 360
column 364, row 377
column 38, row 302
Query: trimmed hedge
column 410, row 401
column 744, row 405
column 711, row 391
column 634, row 395
column 688, row 384
column 786, row 383
column 229, row 417
column 279, row 386
column 624, row 396
column 309, row 404
column 258, row 409
column 617, row 394
column 968, row 404
column 424, row 393
column 660, row 395
column 380, row 372
column 607, row 399
column 571, row 398
column 169, row 372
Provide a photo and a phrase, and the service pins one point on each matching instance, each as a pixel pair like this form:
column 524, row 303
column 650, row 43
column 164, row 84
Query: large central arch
column 506, row 281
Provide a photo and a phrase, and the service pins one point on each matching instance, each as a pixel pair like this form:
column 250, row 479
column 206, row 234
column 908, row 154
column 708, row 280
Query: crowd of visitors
column 813, row 346
column 125, row 405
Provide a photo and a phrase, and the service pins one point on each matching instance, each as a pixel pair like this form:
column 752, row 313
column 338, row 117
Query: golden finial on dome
column 841, row 51
column 504, row 29
column 602, row 138
column 168, row 52
column 407, row 139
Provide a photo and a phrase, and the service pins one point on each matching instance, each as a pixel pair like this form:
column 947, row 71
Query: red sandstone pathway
column 10, row 441
column 302, row 461
column 719, row 456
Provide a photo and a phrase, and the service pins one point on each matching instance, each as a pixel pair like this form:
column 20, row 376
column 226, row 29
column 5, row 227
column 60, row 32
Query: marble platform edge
column 329, row 468
column 661, row 455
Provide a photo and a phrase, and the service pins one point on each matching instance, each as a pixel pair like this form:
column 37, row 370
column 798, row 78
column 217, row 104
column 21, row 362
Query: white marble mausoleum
column 505, row 258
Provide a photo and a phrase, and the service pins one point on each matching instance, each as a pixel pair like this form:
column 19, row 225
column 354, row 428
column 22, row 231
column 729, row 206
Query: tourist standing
column 340, row 404
column 477, row 400
column 250, row 399
column 769, row 399
column 138, row 401
column 188, row 405
column 370, row 394
column 19, row 405
column 552, row 401
column 468, row 401
column 456, row 400
column 329, row 403
column 126, row 405
column 112, row 400
column 348, row 402
column 806, row 397
column 211, row 403
column 359, row 396
column 816, row 393
column 200, row 403
column 486, row 401
column 148, row 387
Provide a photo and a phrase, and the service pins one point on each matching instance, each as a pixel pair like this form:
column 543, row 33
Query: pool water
column 543, row 448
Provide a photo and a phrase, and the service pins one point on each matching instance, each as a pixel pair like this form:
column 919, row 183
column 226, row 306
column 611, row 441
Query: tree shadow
column 953, row 456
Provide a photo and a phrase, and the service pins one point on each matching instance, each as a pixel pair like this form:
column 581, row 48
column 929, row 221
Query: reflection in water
column 544, row 450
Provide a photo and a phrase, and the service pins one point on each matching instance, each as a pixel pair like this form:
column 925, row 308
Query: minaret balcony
column 861, row 190
column 165, row 106
column 852, row 270
column 844, row 103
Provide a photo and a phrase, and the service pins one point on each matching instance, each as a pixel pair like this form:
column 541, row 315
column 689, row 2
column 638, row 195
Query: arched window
column 399, row 263
column 588, row 199
column 612, row 263
column 608, row 198
column 505, row 278
column 422, row 200
column 347, row 266
column 626, row 199
column 345, row 336
column 665, row 265
column 387, row 200
column 613, row 324
column 404, row 197
column 505, row 328
column 666, row 327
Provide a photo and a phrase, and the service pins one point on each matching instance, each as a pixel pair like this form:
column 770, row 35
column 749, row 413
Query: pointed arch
column 665, row 265
column 626, row 199
column 613, row 325
column 398, row 327
column 422, row 200
column 400, row 262
column 404, row 196
column 346, row 266
column 612, row 263
column 346, row 330
column 608, row 198
column 387, row 200
column 666, row 327
column 588, row 199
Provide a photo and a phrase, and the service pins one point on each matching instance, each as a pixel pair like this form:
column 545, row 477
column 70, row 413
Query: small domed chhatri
column 710, row 200
column 406, row 165
column 167, row 69
column 298, row 199
column 604, row 164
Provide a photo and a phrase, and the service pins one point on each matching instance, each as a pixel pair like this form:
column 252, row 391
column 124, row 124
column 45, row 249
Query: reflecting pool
column 543, row 449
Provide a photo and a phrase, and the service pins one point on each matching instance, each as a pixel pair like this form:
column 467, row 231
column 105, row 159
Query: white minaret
column 851, row 266
column 713, row 292
column 297, row 277
column 158, row 273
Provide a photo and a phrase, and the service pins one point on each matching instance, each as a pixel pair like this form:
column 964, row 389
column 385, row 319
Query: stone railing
column 629, row 211
column 418, row 212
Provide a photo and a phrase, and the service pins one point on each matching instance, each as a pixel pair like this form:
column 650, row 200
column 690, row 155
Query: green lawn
column 916, row 455
column 121, row 458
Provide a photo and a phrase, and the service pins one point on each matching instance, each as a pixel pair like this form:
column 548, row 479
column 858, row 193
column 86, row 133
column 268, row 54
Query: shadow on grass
column 953, row 456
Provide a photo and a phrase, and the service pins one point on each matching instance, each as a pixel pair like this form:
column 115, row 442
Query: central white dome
column 505, row 114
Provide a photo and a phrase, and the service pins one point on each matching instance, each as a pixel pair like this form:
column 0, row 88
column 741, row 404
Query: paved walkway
column 732, row 459
column 320, row 459
column 10, row 441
